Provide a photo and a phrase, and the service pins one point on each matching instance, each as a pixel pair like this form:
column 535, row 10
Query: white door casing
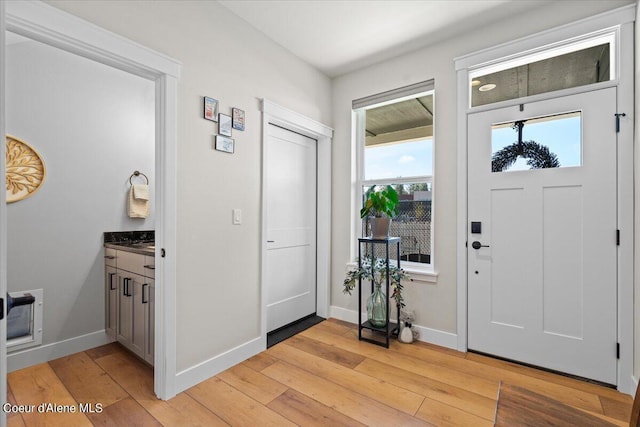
column 291, row 226
column 544, row 291
column 3, row 228
column 273, row 113
column 47, row 24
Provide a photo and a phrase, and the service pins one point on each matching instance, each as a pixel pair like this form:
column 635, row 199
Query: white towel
column 137, row 208
column 141, row 191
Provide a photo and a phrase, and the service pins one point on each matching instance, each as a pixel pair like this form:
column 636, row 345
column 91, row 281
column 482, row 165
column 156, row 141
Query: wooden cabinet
column 130, row 294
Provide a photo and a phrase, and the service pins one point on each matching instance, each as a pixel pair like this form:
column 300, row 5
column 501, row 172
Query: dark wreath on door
column 538, row 156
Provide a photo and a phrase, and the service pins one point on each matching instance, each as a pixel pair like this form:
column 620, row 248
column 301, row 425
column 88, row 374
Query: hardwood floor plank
column 39, row 384
column 182, row 410
column 462, row 399
column 476, row 384
column 570, row 396
column 338, row 327
column 305, row 411
column 252, row 383
column 325, row 351
column 389, row 394
column 348, row 402
column 86, row 381
column 551, row 377
column 125, row 413
column 440, row 414
column 260, row 361
column 615, row 409
column 233, row 406
column 105, row 350
column 137, row 379
column 14, row 419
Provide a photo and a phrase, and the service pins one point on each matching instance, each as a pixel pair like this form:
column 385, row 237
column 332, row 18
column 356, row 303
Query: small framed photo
column 210, row 109
column 238, row 119
column 225, row 144
column 224, row 124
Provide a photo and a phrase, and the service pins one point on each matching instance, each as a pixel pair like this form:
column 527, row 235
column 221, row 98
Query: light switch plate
column 237, row 216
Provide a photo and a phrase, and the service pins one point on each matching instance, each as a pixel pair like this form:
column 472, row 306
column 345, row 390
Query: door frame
column 52, row 26
column 296, row 122
column 3, row 225
column 621, row 21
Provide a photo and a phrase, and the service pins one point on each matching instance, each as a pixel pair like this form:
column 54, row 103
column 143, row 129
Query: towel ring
column 138, row 173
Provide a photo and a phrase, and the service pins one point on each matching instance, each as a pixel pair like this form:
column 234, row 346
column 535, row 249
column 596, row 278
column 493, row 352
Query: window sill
column 427, row 274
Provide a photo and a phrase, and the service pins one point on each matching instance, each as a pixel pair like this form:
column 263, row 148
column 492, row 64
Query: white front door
column 542, row 287
column 291, row 226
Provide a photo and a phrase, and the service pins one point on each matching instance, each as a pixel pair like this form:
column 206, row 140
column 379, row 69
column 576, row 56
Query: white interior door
column 291, row 226
column 542, row 289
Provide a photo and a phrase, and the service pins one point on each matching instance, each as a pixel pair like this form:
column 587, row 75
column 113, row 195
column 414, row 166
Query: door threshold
column 540, row 368
column 293, row 328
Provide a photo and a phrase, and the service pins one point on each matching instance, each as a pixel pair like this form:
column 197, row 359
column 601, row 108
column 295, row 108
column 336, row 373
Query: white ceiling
column 340, row 36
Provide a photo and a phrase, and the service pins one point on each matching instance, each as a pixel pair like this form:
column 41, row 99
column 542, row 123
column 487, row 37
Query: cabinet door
column 150, row 329
column 125, row 308
column 140, row 309
column 111, row 301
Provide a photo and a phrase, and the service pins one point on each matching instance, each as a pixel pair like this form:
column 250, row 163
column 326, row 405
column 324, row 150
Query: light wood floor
column 323, row 376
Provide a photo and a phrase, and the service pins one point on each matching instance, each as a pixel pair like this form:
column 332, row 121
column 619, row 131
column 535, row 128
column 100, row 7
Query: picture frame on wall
column 225, row 144
column 210, row 109
column 224, row 124
column 238, row 119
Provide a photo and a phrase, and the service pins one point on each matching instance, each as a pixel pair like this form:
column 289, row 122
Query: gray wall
column 434, row 303
column 93, row 126
column 218, row 263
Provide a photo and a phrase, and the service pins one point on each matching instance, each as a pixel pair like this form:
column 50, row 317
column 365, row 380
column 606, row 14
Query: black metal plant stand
column 369, row 244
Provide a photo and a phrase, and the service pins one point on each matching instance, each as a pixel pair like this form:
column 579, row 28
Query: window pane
column 579, row 68
column 413, row 223
column 546, row 142
column 398, row 160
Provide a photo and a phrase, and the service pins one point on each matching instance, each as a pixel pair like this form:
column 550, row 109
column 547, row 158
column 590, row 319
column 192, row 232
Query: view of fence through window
column 413, row 223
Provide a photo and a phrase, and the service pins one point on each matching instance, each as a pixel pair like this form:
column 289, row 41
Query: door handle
column 478, row 245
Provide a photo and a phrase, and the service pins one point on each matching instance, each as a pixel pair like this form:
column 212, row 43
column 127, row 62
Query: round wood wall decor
column 26, row 170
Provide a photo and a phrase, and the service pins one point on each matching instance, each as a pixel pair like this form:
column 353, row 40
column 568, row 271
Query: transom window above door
column 567, row 65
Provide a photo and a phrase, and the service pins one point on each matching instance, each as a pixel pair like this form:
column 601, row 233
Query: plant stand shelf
column 366, row 247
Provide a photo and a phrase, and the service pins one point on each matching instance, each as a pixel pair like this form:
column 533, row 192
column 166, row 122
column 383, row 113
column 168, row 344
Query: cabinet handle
column 111, row 288
column 109, row 257
column 143, row 300
column 126, row 281
column 150, row 267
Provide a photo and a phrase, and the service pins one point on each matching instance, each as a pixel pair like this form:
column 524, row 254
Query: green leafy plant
column 380, row 202
column 376, row 270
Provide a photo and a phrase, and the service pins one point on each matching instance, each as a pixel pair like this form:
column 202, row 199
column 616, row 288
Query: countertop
column 142, row 248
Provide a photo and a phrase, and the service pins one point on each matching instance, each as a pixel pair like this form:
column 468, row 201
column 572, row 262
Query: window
column 395, row 147
column 538, row 143
column 569, row 65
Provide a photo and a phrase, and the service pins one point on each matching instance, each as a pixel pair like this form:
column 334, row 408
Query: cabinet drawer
column 131, row 262
column 150, row 266
column 110, row 257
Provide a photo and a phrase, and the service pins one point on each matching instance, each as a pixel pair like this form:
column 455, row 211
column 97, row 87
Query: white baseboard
column 432, row 336
column 44, row 353
column 196, row 374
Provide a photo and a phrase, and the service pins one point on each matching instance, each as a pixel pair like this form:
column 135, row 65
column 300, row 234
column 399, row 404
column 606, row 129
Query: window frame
column 418, row 271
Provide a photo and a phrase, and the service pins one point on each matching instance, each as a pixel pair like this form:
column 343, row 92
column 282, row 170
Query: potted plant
column 381, row 205
column 375, row 270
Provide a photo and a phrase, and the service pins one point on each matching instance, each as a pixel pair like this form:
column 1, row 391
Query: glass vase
column 377, row 307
